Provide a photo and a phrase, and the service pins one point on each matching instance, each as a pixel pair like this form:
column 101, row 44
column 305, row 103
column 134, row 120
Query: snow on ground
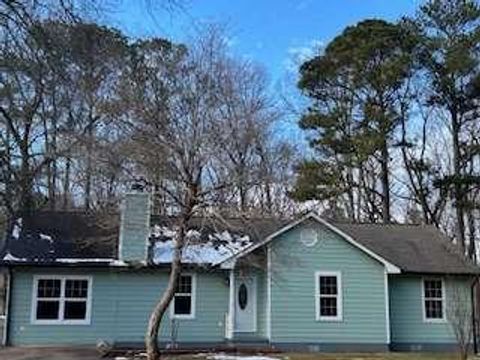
column 87, row 260
column 218, row 247
column 222, row 356
column 207, row 356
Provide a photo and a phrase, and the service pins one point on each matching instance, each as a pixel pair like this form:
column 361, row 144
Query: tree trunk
column 457, row 171
column 151, row 337
column 26, row 181
column 88, row 170
column 472, row 248
column 385, row 180
column 66, row 183
column 350, row 195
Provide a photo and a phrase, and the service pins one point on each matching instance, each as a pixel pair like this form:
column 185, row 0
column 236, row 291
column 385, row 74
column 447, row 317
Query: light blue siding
column 293, row 291
column 122, row 302
column 262, row 305
column 408, row 326
column 135, row 227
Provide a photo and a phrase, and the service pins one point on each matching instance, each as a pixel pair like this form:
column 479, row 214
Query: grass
column 344, row 356
column 364, row 356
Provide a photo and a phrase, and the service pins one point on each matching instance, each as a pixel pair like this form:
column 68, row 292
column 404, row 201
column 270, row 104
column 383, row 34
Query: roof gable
column 413, row 248
column 390, row 267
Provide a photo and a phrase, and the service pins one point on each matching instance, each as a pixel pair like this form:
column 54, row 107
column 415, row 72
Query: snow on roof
column 10, row 257
column 215, row 248
column 17, row 228
column 114, row 262
column 46, row 237
column 85, row 260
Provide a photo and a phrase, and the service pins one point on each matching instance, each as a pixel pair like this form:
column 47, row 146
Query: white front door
column 246, row 304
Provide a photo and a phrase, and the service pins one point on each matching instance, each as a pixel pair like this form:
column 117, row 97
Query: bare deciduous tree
column 459, row 315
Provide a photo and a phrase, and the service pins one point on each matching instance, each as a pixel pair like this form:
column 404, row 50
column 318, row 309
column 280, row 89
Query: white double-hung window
column 328, row 296
column 183, row 303
column 433, row 300
column 61, row 300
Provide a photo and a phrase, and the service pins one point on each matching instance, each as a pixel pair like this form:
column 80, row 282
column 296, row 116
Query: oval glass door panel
column 242, row 296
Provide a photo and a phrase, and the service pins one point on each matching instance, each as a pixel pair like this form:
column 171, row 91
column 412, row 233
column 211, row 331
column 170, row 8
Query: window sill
column 182, row 317
column 435, row 321
column 60, row 322
column 329, row 319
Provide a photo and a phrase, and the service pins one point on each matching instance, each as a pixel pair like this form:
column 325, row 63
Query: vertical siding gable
column 293, row 289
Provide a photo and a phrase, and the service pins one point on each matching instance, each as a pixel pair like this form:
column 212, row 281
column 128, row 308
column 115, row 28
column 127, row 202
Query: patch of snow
column 17, row 228
column 222, row 356
column 218, row 247
column 158, row 231
column 46, row 237
column 10, row 257
column 118, row 263
column 80, row 260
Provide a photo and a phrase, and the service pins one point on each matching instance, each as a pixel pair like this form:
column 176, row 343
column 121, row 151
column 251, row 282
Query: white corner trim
column 391, row 268
column 6, row 318
column 148, row 225
column 388, row 329
column 268, row 317
column 339, row 296
column 121, row 235
column 231, row 305
column 443, row 320
column 62, row 299
column 192, row 314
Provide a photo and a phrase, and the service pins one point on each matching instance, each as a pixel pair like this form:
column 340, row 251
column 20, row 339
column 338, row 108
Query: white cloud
column 296, row 55
column 302, row 5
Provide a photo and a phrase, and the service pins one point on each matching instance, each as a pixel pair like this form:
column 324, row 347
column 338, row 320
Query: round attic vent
column 309, row 236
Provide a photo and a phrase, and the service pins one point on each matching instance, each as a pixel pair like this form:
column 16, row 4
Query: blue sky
column 267, row 31
column 276, row 34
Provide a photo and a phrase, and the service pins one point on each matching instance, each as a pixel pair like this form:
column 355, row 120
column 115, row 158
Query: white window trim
column 61, row 321
column 339, row 316
column 424, row 313
column 190, row 316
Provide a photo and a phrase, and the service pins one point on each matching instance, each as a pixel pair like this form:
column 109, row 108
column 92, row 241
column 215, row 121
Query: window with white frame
column 433, row 300
column 61, row 300
column 328, row 294
column 184, row 298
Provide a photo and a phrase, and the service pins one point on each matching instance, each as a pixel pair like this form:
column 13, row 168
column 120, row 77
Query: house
column 303, row 284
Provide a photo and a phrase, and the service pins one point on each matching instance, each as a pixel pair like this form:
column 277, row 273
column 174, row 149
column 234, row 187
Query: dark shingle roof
column 413, row 248
column 46, row 236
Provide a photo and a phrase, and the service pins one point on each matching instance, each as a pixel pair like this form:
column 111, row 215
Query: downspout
column 6, row 320
column 474, row 315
